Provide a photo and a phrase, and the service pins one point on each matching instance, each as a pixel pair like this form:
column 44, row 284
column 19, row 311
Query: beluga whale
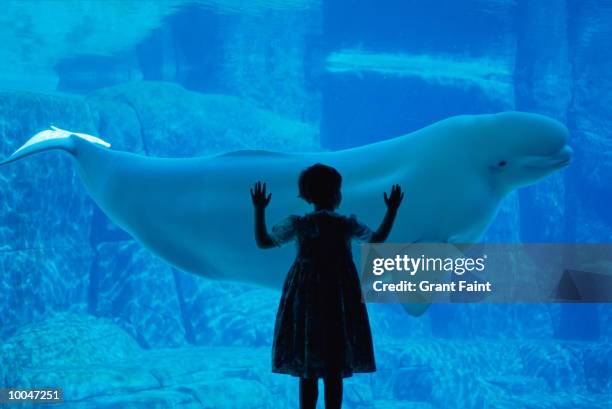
column 196, row 213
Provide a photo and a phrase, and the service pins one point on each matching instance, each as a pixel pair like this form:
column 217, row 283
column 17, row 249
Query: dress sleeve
column 358, row 230
column 284, row 231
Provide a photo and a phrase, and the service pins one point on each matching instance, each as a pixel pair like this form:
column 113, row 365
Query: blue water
column 85, row 308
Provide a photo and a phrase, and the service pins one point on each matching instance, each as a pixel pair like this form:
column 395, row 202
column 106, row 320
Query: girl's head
column 320, row 185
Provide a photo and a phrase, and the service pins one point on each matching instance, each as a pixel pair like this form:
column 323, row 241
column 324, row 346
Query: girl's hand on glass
column 394, row 200
column 258, row 195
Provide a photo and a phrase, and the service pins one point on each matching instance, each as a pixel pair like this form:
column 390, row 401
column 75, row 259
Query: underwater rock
column 32, row 49
column 357, row 392
column 444, row 373
column 119, row 125
column 35, row 283
column 194, row 377
column 517, row 384
column 414, row 383
column 46, row 216
column 222, row 377
column 139, row 397
column 284, row 57
column 63, row 340
column 597, row 363
column 493, row 321
column 85, row 73
column 392, row 320
column 523, row 373
column 163, row 307
column 43, row 202
column 559, row 363
column 136, row 291
column 100, row 366
column 496, row 321
column 176, row 122
column 605, row 321
column 226, row 313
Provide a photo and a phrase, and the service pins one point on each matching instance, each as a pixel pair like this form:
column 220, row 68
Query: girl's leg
column 333, row 392
column 309, row 391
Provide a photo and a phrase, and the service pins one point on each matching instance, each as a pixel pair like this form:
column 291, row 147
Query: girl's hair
column 320, row 184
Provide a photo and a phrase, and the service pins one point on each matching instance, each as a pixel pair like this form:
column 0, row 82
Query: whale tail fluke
column 49, row 139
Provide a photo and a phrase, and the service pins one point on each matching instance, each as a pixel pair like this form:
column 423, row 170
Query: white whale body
column 196, row 213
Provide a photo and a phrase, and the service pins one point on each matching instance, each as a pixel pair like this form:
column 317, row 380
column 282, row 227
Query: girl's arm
column 393, row 202
column 260, row 201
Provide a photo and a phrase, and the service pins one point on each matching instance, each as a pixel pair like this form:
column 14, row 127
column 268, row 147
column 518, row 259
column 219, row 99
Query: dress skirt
column 322, row 327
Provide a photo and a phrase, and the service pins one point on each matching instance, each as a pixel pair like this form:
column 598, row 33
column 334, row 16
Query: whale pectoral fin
column 416, row 309
column 50, row 139
column 420, row 302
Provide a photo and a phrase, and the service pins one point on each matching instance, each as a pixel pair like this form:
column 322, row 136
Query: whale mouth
column 559, row 160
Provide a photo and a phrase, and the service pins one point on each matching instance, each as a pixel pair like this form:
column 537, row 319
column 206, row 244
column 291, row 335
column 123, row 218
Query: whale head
column 517, row 149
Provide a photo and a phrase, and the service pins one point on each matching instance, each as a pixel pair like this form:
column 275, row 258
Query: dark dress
column 322, row 326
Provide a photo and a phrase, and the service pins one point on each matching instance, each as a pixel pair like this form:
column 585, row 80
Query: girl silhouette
column 322, row 328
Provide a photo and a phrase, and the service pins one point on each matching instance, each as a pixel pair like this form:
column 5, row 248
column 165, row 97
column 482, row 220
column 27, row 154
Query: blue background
column 84, row 307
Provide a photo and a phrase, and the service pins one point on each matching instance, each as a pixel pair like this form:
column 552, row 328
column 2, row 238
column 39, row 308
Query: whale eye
column 502, row 163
